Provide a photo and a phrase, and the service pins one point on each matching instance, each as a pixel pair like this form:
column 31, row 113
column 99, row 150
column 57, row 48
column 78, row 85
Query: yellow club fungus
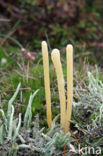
column 47, row 82
column 69, row 56
column 60, row 79
column 65, row 109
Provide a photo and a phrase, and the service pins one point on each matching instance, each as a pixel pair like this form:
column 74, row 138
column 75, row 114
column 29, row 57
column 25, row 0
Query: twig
column 4, row 20
column 24, row 75
column 9, row 34
column 74, row 136
column 30, row 147
column 21, row 139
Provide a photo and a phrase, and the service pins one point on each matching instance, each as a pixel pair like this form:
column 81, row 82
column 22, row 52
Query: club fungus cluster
column 65, row 108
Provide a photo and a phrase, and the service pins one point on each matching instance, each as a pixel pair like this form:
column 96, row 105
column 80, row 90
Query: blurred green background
column 59, row 22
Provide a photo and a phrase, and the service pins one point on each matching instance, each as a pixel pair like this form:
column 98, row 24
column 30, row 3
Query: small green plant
column 88, row 110
column 28, row 114
column 10, row 127
column 8, row 123
column 17, row 134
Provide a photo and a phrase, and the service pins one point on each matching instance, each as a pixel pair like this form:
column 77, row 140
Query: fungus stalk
column 60, row 79
column 47, row 82
column 69, row 56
